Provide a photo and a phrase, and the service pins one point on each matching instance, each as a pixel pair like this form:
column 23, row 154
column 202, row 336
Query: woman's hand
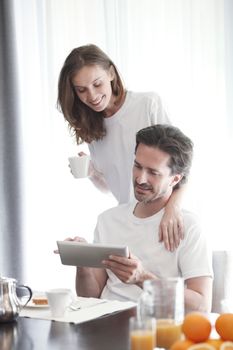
column 171, row 229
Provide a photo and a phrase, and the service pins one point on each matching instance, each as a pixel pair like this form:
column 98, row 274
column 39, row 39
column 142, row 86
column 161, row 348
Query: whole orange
column 224, row 326
column 181, row 344
column 196, row 327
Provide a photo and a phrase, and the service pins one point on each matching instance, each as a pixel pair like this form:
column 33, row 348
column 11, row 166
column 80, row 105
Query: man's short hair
column 171, row 140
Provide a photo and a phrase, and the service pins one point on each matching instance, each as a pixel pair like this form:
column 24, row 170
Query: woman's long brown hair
column 86, row 124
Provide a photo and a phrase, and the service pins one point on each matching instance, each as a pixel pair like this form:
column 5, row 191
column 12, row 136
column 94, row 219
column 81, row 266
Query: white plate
column 36, row 306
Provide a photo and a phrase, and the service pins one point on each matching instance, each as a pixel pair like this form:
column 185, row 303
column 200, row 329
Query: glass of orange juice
column 142, row 333
column 168, row 331
column 163, row 299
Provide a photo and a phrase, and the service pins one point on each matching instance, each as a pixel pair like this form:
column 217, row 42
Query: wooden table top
column 109, row 332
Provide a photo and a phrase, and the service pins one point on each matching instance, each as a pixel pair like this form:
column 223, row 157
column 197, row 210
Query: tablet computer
column 88, row 254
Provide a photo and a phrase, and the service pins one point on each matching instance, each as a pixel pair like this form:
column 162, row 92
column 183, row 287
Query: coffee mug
column 59, row 299
column 79, row 166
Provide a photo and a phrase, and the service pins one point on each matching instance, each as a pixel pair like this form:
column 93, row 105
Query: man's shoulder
column 192, row 223
column 118, row 210
column 190, row 214
column 190, row 217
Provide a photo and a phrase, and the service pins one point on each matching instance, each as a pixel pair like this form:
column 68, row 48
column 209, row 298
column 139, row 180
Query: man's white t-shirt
column 119, row 226
column 113, row 156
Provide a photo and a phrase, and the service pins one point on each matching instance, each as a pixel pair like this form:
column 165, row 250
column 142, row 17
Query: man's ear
column 175, row 179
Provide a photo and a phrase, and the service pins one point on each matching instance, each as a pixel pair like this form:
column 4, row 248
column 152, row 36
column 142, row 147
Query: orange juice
column 168, row 331
column 142, row 340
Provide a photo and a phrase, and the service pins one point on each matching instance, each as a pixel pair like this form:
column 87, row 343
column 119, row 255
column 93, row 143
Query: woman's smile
column 98, row 102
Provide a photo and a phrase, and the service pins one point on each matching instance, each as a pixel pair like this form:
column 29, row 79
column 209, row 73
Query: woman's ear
column 111, row 72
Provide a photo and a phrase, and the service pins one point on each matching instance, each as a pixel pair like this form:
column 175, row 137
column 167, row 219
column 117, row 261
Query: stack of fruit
column 197, row 330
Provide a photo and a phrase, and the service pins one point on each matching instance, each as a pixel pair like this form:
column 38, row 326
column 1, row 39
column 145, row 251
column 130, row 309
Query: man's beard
column 144, row 198
column 147, row 198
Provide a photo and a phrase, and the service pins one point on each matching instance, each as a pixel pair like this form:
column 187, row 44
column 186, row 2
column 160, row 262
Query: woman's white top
column 113, row 156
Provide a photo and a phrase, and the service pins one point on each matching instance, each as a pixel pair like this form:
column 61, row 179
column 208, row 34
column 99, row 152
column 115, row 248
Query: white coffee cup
column 79, row 166
column 58, row 299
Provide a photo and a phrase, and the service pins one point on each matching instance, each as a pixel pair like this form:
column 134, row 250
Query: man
column 163, row 157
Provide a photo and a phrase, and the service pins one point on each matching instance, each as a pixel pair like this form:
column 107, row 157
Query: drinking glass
column 164, row 300
column 142, row 333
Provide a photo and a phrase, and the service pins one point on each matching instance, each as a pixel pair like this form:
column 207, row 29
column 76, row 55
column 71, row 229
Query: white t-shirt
column 119, row 226
column 113, row 156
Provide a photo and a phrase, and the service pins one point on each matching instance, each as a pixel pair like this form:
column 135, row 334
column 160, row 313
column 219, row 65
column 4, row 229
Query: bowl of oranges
column 197, row 330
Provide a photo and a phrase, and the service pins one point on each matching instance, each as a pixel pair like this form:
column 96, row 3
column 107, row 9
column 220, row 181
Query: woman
column 102, row 113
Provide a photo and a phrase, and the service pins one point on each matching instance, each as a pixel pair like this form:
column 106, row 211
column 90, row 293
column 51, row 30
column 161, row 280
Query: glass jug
column 164, row 300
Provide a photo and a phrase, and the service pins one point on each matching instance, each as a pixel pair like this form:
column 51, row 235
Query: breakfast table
column 104, row 333
column 87, row 324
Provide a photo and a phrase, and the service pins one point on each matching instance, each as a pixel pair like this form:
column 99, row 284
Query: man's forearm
column 195, row 301
column 86, row 283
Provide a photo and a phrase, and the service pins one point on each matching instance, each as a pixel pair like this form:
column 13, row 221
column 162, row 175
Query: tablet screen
column 88, row 254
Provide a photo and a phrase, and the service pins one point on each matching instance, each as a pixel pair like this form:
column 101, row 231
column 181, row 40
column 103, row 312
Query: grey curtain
column 229, row 59
column 11, row 239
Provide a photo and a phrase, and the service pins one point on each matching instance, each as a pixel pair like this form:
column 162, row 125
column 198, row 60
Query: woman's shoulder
column 147, row 95
column 150, row 99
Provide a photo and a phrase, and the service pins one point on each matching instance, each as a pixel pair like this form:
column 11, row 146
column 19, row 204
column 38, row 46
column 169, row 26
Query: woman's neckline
column 117, row 108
